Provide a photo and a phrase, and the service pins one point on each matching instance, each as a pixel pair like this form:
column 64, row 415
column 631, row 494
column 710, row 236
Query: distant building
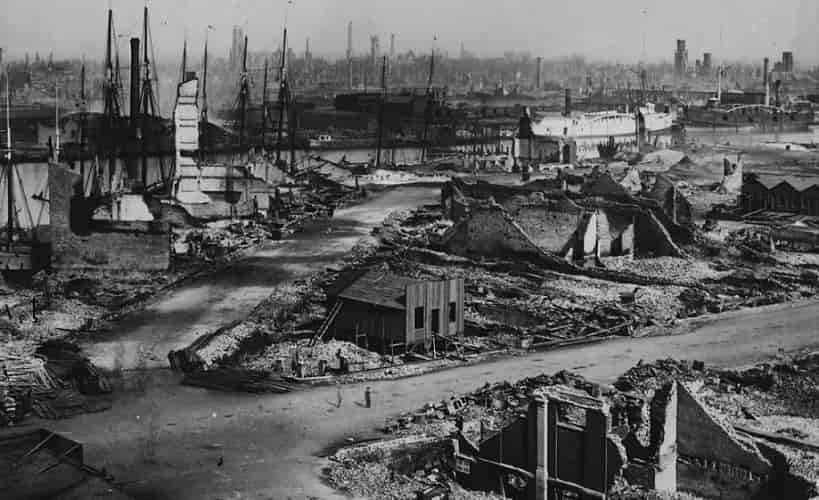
column 680, row 60
column 375, row 50
column 707, row 63
column 236, row 47
column 787, row 62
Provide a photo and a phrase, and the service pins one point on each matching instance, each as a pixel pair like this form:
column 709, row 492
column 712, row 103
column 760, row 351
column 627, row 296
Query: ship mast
column 57, row 119
column 264, row 110
column 111, row 102
column 381, row 106
column 203, row 120
column 147, row 99
column 243, row 97
column 82, row 126
column 282, row 92
column 429, row 107
column 9, row 169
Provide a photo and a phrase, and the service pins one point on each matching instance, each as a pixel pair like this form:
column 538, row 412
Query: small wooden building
column 391, row 314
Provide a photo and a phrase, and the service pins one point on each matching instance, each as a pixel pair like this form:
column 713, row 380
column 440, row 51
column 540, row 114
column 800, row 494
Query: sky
column 597, row 29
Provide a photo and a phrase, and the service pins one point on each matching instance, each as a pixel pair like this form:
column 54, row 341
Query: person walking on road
column 338, row 395
column 367, row 397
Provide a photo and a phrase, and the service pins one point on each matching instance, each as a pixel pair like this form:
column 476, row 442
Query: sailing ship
column 20, row 251
column 208, row 189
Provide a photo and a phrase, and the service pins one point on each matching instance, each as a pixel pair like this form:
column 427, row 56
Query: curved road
column 163, row 440
column 143, row 339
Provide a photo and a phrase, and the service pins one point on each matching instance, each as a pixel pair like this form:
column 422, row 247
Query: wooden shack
column 393, row 314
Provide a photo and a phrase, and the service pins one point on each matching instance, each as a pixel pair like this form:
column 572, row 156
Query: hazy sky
column 610, row 29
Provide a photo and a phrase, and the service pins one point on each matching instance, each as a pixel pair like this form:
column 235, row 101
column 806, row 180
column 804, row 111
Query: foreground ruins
column 673, row 427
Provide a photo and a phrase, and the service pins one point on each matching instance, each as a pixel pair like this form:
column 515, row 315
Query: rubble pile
column 317, row 359
column 680, row 270
column 394, row 469
column 219, row 240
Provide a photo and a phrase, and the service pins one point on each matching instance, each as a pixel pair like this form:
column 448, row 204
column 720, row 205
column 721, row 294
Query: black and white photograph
column 409, row 250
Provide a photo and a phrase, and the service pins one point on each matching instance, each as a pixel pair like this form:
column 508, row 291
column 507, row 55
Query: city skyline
column 594, row 29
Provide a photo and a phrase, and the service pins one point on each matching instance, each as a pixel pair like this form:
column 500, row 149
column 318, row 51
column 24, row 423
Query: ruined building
column 568, row 444
column 496, row 220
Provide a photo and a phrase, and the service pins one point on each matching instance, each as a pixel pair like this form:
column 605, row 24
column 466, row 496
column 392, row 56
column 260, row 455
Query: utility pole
column 381, row 106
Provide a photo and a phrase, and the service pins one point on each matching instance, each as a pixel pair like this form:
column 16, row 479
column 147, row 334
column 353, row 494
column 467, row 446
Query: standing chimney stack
column 567, row 104
column 765, row 83
column 537, row 72
column 135, row 87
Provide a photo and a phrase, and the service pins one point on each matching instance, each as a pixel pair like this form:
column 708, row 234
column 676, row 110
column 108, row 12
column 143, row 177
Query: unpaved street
column 143, row 339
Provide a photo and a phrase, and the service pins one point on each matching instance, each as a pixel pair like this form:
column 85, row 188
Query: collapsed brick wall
column 714, row 462
column 489, row 231
column 551, row 226
column 146, row 248
column 652, row 237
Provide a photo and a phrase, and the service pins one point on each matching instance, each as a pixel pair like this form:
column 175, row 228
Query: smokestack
column 537, row 73
column 349, row 40
column 765, row 83
column 777, row 86
column 135, row 71
column 567, row 105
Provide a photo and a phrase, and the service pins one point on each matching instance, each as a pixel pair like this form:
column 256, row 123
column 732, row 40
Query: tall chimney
column 134, row 113
column 567, row 104
column 537, row 73
column 765, row 83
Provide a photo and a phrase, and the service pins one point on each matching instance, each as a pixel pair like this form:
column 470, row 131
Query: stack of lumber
column 66, row 403
column 234, row 379
column 23, row 372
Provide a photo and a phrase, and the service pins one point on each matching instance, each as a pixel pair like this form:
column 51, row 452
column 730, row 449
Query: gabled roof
column 379, row 288
column 797, row 182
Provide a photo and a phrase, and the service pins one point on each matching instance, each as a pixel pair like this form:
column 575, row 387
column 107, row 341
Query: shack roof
column 380, row 288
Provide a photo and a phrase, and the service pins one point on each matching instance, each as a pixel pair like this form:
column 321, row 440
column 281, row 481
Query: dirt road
column 165, row 442
column 143, row 339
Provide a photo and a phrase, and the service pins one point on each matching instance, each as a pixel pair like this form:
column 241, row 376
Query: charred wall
column 131, row 246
